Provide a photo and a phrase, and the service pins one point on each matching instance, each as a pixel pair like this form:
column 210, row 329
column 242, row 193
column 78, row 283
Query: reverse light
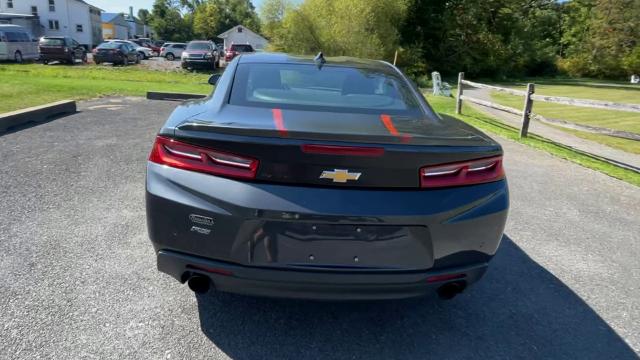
column 185, row 156
column 462, row 173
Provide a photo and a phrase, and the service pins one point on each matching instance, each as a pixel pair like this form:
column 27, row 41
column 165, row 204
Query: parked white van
column 16, row 44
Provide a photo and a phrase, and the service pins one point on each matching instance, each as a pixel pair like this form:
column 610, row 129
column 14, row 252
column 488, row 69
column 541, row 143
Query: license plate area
column 341, row 246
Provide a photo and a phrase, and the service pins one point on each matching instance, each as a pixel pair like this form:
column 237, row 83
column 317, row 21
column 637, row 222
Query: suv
column 61, row 48
column 170, row 51
column 237, row 49
column 200, row 53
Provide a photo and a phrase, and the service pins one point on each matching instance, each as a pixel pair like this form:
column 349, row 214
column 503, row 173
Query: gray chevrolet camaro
column 318, row 178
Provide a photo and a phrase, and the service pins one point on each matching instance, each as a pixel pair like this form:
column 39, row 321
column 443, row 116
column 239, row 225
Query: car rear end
column 237, row 49
column 337, row 183
column 54, row 49
column 109, row 52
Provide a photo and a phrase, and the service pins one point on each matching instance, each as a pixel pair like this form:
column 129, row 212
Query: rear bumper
column 108, row 58
column 55, row 57
column 319, row 242
column 304, row 284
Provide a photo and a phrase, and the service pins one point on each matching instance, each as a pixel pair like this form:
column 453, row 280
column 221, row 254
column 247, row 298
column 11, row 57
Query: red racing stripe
column 279, row 122
column 388, row 123
column 386, row 120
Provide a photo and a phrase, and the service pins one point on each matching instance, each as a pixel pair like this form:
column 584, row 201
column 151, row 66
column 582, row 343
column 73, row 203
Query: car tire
column 85, row 59
column 170, row 57
column 18, row 57
column 138, row 59
column 72, row 60
column 125, row 62
column 142, row 56
column 45, row 62
column 97, row 62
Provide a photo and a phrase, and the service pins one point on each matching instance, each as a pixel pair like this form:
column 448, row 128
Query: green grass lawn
column 619, row 120
column 492, row 126
column 28, row 85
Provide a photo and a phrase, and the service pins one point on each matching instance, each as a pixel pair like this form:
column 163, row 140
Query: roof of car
column 281, row 58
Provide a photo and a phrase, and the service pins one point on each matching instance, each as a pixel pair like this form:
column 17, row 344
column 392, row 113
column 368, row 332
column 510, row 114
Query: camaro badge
column 340, row 175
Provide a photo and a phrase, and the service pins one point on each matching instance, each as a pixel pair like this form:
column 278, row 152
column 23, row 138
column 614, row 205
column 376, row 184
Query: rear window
column 199, row 46
column 52, row 42
column 110, row 45
column 331, row 88
column 241, row 48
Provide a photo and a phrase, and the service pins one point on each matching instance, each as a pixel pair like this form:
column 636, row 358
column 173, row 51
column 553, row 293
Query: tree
column 168, row 23
column 212, row 17
column 358, row 28
column 601, row 37
column 143, row 15
column 271, row 16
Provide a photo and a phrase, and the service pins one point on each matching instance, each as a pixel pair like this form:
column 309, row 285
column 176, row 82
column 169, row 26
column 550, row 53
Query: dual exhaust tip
column 201, row 284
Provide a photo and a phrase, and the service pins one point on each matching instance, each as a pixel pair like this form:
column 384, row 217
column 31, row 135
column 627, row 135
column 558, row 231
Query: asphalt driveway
column 79, row 278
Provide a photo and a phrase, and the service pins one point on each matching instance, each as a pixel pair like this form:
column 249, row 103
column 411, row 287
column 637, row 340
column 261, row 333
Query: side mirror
column 213, row 80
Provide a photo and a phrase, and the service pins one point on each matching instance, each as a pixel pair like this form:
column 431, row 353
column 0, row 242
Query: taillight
column 462, row 173
column 185, row 156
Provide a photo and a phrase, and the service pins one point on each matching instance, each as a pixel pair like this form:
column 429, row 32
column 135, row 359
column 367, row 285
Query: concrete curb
column 156, row 95
column 36, row 114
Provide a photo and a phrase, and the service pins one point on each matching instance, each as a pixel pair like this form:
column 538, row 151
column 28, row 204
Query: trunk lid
column 336, row 149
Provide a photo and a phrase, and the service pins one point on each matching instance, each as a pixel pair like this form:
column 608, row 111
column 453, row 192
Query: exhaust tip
column 450, row 290
column 199, row 284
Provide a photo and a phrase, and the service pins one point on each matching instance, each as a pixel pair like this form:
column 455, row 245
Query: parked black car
column 116, row 53
column 322, row 178
column 61, row 48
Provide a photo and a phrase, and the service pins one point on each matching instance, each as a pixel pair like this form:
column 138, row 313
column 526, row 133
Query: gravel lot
column 79, row 277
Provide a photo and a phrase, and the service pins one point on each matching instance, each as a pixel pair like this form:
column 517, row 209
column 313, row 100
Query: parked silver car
column 171, row 51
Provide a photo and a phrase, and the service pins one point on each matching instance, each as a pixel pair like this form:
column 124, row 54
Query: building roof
column 109, row 17
column 244, row 28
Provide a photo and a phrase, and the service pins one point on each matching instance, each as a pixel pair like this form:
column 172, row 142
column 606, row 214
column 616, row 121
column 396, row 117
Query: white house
column 239, row 34
column 74, row 18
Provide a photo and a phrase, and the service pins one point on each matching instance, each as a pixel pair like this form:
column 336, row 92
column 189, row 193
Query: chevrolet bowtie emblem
column 340, row 175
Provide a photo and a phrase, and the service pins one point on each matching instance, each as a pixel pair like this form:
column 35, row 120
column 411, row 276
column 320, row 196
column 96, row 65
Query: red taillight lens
column 445, row 277
column 342, row 150
column 462, row 173
column 185, row 156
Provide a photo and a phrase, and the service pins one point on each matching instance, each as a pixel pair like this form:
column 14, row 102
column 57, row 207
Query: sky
column 123, row 5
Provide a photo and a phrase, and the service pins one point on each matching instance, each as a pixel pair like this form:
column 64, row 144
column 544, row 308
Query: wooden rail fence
column 530, row 96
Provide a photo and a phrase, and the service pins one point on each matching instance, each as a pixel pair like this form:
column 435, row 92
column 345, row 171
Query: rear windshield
column 241, row 48
column 331, row 88
column 199, row 46
column 52, row 42
column 110, row 45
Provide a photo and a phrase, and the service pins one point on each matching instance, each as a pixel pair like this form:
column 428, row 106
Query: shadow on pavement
column 519, row 310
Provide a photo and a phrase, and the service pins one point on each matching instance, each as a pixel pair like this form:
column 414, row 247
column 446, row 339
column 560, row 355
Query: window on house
column 9, row 4
column 34, row 10
column 52, row 5
column 239, row 29
column 79, row 28
column 54, row 25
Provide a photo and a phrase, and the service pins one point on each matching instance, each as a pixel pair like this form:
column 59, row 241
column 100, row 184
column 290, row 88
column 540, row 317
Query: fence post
column 526, row 111
column 459, row 96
